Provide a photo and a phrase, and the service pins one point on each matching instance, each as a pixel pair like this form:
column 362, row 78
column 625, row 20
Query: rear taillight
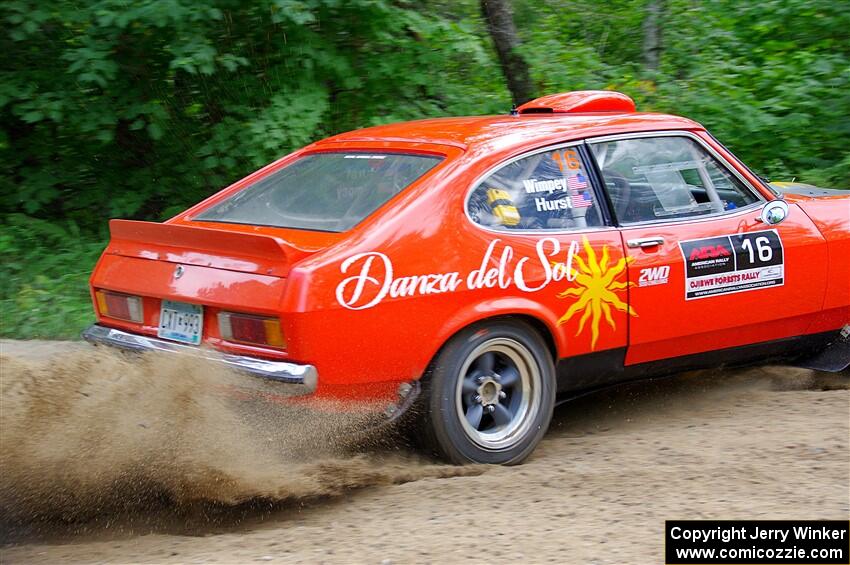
column 245, row 328
column 119, row 306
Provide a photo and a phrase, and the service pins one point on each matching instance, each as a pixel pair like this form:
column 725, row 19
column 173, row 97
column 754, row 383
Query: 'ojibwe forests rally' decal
column 732, row 263
column 373, row 279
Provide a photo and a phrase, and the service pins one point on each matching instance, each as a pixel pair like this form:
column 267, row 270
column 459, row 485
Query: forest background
column 137, row 109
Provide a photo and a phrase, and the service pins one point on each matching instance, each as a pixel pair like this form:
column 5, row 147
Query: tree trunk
column 652, row 34
column 500, row 24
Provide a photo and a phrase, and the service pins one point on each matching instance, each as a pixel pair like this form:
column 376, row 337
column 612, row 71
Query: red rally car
column 487, row 266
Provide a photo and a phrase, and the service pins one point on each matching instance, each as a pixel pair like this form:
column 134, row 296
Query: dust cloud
column 91, row 433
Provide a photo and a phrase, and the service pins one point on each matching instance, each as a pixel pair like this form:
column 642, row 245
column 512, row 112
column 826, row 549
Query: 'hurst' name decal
column 372, row 277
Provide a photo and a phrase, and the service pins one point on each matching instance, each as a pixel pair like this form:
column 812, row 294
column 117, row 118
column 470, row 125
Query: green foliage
column 770, row 79
column 138, row 109
column 125, row 109
column 43, row 282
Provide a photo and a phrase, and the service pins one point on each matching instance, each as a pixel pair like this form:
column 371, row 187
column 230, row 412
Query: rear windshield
column 324, row 191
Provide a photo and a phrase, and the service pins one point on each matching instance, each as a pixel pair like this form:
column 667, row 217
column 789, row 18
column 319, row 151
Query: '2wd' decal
column 732, row 263
column 652, row 276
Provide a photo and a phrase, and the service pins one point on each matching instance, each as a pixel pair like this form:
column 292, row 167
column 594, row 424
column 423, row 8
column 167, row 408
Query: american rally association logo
column 372, row 279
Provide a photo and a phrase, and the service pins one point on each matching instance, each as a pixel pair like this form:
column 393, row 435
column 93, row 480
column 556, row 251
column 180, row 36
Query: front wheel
column 490, row 394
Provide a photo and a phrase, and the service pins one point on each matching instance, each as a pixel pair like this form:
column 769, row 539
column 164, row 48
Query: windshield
column 324, row 191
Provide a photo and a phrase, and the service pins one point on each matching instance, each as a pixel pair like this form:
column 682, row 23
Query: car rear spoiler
column 190, row 245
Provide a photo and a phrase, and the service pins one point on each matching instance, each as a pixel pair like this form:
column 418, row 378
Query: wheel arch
column 544, row 325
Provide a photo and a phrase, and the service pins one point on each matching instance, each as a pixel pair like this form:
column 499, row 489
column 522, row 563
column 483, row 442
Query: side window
column 657, row 178
column 544, row 191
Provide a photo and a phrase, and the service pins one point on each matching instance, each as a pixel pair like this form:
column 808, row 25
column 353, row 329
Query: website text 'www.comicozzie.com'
column 689, row 554
column 803, row 542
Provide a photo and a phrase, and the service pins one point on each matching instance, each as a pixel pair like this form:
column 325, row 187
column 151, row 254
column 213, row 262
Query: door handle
column 645, row 242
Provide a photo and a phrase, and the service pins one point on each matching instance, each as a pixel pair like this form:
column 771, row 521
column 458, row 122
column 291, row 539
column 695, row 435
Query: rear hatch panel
column 217, row 269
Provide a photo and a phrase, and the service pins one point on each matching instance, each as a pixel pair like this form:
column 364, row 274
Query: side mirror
column 774, row 212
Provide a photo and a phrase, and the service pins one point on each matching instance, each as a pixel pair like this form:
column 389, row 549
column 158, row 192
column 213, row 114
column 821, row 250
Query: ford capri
column 481, row 269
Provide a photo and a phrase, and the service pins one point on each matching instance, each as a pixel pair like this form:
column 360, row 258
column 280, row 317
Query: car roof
column 514, row 130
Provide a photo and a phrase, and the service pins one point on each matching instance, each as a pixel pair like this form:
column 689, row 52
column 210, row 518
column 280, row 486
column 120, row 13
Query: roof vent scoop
column 579, row 101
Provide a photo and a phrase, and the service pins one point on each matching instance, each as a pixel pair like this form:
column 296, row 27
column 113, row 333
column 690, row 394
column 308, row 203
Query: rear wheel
column 490, row 394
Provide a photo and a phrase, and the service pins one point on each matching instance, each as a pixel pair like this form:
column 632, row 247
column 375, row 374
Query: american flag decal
column 579, row 195
column 577, row 182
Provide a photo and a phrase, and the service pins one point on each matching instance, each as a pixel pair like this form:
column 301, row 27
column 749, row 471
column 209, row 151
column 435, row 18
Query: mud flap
column 834, row 358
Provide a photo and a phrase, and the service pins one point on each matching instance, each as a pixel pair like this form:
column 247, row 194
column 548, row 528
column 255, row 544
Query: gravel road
column 146, row 468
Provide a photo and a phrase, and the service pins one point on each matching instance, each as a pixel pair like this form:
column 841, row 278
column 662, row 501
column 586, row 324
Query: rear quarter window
column 544, row 191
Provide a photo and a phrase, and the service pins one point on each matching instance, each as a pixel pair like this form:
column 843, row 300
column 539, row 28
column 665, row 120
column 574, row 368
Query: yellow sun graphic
column 596, row 289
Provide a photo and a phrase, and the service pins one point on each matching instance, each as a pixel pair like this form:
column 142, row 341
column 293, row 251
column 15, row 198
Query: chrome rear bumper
column 283, row 371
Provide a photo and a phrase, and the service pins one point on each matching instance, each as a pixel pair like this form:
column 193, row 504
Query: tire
column 489, row 394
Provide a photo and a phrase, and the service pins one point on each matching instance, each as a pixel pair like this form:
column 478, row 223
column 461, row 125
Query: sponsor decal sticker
column 372, row 279
column 732, row 263
column 652, row 276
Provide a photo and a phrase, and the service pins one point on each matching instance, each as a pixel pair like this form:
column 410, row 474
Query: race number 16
column 759, row 249
column 763, row 246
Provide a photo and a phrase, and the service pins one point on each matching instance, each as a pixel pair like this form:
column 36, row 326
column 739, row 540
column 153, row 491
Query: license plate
column 181, row 322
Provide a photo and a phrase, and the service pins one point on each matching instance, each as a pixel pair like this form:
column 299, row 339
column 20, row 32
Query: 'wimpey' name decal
column 372, row 277
column 547, row 185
